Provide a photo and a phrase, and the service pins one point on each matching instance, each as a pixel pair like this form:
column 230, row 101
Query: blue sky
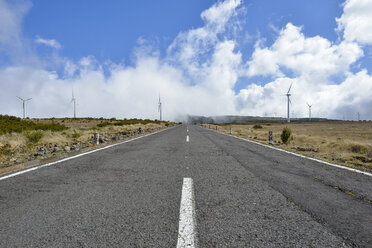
column 203, row 57
column 110, row 31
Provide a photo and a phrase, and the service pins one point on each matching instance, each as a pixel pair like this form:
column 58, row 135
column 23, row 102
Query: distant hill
column 246, row 119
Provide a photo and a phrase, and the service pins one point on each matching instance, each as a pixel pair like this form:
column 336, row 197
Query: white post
column 96, row 138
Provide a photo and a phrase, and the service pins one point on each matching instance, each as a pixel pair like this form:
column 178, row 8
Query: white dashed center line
column 187, row 224
column 187, row 138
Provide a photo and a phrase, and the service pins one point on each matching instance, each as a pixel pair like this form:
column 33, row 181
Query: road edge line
column 76, row 156
column 296, row 154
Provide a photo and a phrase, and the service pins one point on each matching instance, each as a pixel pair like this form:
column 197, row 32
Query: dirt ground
column 345, row 143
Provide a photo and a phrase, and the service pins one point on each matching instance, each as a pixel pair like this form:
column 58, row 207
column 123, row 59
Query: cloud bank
column 198, row 74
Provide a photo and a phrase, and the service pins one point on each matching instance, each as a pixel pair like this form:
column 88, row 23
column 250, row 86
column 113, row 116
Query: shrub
column 357, row 149
column 55, row 127
column 15, row 124
column 128, row 122
column 286, row 135
column 5, row 150
column 257, row 126
column 34, row 137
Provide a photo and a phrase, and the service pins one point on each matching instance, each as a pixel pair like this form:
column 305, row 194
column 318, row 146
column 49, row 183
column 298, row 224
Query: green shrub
column 34, row 137
column 5, row 150
column 128, row 122
column 257, row 126
column 15, row 124
column 55, row 127
column 286, row 135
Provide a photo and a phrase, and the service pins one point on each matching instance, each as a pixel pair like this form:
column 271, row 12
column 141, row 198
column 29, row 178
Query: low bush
column 34, row 137
column 16, row 124
column 5, row 150
column 357, row 148
column 286, row 135
column 128, row 122
column 257, row 126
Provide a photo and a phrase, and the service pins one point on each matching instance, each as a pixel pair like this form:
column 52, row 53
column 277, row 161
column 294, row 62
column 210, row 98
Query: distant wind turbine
column 309, row 110
column 24, row 105
column 160, row 108
column 288, row 102
column 73, row 99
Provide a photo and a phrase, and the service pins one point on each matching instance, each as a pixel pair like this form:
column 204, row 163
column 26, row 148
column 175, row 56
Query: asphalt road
column 129, row 195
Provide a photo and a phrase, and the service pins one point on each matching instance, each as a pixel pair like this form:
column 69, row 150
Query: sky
column 232, row 57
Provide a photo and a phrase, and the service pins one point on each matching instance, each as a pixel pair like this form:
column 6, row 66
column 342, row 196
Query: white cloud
column 51, row 43
column 11, row 16
column 315, row 56
column 11, row 39
column 356, row 21
column 190, row 48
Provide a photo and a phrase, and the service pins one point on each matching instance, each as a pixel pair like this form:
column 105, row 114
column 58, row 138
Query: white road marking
column 187, row 224
column 187, row 138
column 300, row 155
column 76, row 156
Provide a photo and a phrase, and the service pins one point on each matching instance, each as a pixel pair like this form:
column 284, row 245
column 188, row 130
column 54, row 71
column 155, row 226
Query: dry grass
column 346, row 143
column 16, row 148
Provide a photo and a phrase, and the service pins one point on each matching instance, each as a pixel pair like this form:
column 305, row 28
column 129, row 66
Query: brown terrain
column 18, row 151
column 344, row 143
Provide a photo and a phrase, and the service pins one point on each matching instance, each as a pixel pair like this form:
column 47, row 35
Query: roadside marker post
column 96, row 138
column 271, row 138
column 230, row 130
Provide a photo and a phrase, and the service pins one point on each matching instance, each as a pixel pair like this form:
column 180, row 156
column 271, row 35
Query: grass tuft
column 34, row 137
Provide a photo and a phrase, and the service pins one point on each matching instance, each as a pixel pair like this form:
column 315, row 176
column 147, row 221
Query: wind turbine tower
column 309, row 110
column 73, row 99
column 24, row 105
column 160, row 108
column 288, row 102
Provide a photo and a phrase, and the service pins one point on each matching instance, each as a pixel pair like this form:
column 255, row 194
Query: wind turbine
column 288, row 102
column 159, row 107
column 24, row 105
column 309, row 110
column 73, row 99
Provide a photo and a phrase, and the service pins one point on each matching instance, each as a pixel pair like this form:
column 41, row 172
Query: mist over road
column 244, row 195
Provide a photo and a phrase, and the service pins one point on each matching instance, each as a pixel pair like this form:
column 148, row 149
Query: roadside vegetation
column 25, row 141
column 345, row 143
column 9, row 124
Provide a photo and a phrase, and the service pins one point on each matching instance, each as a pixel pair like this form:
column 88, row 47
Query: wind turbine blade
column 28, row 99
column 289, row 88
column 20, row 98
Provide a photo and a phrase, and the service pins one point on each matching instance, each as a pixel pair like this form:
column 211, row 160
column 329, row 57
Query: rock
column 56, row 149
column 74, row 148
column 67, row 149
